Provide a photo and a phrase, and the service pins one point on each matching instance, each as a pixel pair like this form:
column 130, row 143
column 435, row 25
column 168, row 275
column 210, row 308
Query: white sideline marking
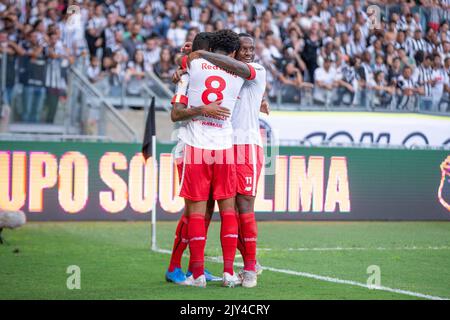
column 355, row 248
column 324, row 278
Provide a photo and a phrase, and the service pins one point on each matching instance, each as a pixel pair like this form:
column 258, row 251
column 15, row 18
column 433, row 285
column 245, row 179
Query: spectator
column 152, row 50
column 292, row 82
column 109, row 33
column 407, row 88
column 94, row 29
column 423, row 75
column 417, row 43
column 34, row 79
column 325, row 82
column 313, row 42
column 10, row 51
column 177, row 33
column 440, row 81
column 164, row 68
column 94, row 70
column 55, row 82
column 347, row 83
column 303, row 32
column 133, row 40
column 383, row 92
column 395, row 71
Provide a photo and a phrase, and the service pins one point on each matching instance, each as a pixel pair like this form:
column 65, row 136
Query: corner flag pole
column 155, row 185
column 149, row 150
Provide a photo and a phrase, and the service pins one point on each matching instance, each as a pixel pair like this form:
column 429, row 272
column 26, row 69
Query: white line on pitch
column 354, row 248
column 328, row 279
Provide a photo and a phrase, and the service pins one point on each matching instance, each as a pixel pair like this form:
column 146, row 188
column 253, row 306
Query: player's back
column 209, row 83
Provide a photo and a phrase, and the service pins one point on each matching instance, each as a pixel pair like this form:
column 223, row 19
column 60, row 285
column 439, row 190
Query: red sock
column 179, row 244
column 197, row 240
column 207, row 221
column 228, row 238
column 249, row 234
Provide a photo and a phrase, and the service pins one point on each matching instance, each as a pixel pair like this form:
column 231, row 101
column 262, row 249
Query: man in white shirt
column 325, row 82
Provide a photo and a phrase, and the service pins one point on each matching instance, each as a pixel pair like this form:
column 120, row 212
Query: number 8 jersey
column 209, row 83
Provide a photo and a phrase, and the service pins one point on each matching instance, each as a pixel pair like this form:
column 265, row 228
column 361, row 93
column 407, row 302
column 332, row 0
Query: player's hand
column 187, row 48
column 265, row 107
column 177, row 75
column 215, row 110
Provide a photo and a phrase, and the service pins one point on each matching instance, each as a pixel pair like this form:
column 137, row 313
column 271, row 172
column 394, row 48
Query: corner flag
column 150, row 132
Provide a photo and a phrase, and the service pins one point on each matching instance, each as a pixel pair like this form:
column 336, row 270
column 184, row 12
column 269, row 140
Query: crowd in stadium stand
column 398, row 61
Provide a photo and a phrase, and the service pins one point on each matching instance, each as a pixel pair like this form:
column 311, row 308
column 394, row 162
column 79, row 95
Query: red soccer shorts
column 249, row 161
column 208, row 170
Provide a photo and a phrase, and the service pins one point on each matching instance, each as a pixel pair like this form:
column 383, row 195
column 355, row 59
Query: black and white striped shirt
column 348, row 74
column 414, row 45
column 399, row 46
column 423, row 77
column 403, row 83
column 357, row 47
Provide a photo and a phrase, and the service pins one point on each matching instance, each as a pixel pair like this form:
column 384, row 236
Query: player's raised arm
column 180, row 112
column 242, row 69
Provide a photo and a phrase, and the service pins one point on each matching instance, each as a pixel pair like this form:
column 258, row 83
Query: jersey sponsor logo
column 207, row 66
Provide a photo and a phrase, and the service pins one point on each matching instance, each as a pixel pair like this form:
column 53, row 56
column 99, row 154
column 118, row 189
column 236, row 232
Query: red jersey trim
column 184, row 61
column 252, row 72
column 179, row 98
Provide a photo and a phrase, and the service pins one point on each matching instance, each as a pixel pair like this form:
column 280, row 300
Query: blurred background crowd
column 323, row 52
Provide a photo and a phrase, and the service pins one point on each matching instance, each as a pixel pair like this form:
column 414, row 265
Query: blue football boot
column 176, row 276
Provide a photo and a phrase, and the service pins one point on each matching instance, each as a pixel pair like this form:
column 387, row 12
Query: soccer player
column 181, row 113
column 247, row 144
column 201, row 42
column 208, row 163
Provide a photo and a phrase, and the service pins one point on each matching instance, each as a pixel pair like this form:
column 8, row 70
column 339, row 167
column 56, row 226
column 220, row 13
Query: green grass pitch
column 116, row 262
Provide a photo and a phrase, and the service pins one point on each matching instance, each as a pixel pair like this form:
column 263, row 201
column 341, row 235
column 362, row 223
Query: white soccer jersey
column 181, row 97
column 245, row 118
column 209, row 83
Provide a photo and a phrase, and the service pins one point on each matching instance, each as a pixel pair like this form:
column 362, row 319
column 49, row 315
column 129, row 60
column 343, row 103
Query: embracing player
column 181, row 113
column 248, row 146
column 208, row 158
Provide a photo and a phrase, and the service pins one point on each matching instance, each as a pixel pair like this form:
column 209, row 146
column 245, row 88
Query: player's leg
column 195, row 189
column 174, row 272
column 209, row 212
column 224, row 191
column 249, row 230
column 228, row 239
column 249, row 234
column 249, row 159
column 197, row 241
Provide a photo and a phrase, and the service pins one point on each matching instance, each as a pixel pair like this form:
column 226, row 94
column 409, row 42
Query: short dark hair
column 419, row 56
column 245, row 35
column 225, row 40
column 202, row 41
